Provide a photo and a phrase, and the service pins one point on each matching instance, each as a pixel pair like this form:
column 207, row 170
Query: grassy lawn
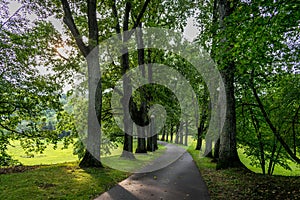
column 59, row 181
column 50, row 156
column 65, row 180
column 244, row 184
column 114, row 161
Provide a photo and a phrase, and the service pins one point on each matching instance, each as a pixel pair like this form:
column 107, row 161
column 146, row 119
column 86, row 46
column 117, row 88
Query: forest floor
column 236, row 184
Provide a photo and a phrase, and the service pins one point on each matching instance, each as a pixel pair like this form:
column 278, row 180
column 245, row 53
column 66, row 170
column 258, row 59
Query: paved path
column 177, row 180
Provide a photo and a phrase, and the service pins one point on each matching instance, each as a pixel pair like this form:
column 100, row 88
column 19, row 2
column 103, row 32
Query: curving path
column 178, row 179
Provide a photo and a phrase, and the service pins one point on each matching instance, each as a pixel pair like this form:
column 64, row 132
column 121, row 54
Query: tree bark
column 91, row 53
column 228, row 156
column 208, row 149
column 181, row 133
column 199, row 139
column 216, row 150
column 141, row 146
column 167, row 134
column 163, row 134
column 177, row 133
column 186, row 133
column 171, row 133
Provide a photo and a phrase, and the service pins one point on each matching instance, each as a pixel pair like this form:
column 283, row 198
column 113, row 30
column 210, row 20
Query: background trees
column 26, row 94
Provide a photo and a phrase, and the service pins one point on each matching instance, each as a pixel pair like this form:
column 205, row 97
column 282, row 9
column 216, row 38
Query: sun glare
column 63, row 52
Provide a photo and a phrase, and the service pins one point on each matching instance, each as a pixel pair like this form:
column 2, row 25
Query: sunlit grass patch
column 60, row 181
column 49, row 156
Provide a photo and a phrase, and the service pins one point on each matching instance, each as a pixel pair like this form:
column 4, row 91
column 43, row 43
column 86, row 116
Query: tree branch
column 272, row 127
column 11, row 130
column 139, row 18
column 93, row 25
column 115, row 13
column 69, row 21
column 15, row 13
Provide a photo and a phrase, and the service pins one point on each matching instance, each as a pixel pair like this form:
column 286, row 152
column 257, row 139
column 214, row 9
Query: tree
column 261, row 62
column 91, row 54
column 27, row 96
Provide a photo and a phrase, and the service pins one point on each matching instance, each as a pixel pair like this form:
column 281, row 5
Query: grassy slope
column 243, row 184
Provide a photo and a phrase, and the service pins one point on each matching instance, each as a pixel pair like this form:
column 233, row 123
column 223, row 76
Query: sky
column 190, row 31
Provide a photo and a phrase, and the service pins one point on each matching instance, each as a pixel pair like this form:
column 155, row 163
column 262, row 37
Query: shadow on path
column 180, row 179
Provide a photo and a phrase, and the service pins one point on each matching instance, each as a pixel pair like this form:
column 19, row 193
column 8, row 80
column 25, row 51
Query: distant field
column 50, row 156
column 59, row 155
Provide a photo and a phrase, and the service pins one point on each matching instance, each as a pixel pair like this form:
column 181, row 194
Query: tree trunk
column 89, row 160
column 171, row 133
column 91, row 53
column 186, row 133
column 154, row 136
column 163, row 134
column 127, row 90
column 94, row 114
column 199, row 139
column 177, row 133
column 228, row 156
column 141, row 146
column 167, row 134
column 155, row 142
column 216, row 150
column 150, row 143
column 208, row 149
column 181, row 133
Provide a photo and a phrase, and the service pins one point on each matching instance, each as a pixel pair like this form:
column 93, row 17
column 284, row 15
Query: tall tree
column 91, row 53
column 228, row 156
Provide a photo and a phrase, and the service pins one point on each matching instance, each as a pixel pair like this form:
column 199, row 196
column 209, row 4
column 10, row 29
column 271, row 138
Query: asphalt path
column 173, row 176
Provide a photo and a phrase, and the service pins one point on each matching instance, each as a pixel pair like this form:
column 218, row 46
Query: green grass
column 59, row 155
column 60, row 181
column 278, row 169
column 65, row 180
column 141, row 160
column 246, row 161
column 49, row 156
column 236, row 184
